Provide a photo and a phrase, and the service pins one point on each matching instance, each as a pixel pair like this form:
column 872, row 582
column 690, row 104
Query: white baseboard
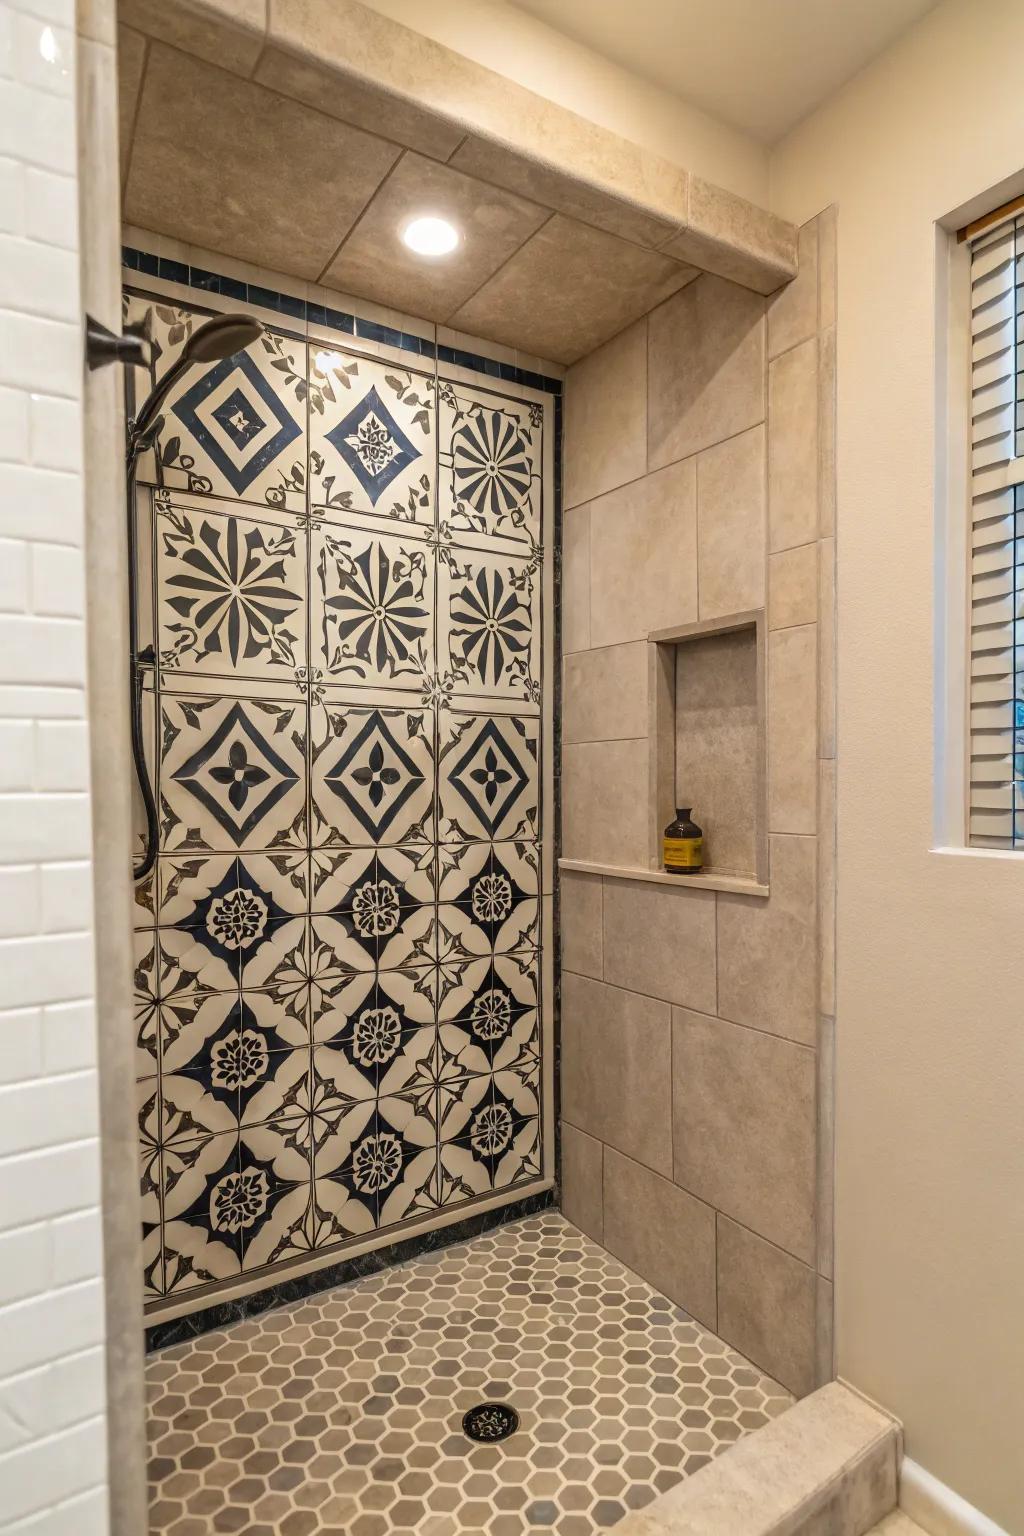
column 937, row 1509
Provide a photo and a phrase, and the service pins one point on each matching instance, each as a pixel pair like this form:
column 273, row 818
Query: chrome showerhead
column 220, row 337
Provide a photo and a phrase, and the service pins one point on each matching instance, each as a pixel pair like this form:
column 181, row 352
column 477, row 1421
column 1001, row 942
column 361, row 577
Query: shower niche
column 707, row 735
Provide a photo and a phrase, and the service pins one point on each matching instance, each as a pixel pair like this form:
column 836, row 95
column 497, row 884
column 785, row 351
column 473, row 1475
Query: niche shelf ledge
column 707, row 880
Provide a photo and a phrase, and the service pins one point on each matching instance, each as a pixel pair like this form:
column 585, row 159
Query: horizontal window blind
column 996, row 799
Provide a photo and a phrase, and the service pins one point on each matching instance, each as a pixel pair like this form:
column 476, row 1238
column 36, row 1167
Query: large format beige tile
column 582, row 1178
column 225, row 32
column 131, row 58
column 793, row 587
column 793, row 447
column 575, row 579
column 719, row 767
column 793, row 730
column 827, row 886
column 736, row 239
column 561, row 190
column 662, row 1233
column 743, row 1107
column 568, row 289
column 604, row 693
column 643, row 556
column 375, row 262
column 766, row 1306
column 707, row 379
column 604, row 802
column 661, row 941
column 766, row 949
column 606, row 417
column 361, row 102
column 731, row 525
column 616, row 1069
column 793, row 311
column 581, row 922
column 200, row 134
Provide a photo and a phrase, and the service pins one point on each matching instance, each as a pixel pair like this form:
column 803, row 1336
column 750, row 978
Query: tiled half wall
column 697, row 1023
column 346, row 548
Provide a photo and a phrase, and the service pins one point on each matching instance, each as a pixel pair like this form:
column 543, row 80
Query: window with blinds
column 996, row 793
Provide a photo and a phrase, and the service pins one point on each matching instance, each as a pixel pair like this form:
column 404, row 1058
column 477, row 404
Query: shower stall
column 485, row 1168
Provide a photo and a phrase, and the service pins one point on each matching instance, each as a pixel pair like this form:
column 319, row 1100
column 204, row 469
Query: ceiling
column 760, row 65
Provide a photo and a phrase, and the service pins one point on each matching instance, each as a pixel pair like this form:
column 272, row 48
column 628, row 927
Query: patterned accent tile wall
column 343, row 979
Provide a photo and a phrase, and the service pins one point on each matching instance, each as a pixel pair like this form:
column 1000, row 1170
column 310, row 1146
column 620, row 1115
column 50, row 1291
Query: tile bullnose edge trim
column 734, row 885
column 938, row 1508
column 789, row 1478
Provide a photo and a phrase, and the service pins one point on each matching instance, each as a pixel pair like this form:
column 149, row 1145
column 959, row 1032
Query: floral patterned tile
column 232, row 772
column 488, row 624
column 372, row 771
column 491, row 1022
column 490, row 465
column 235, row 429
column 487, row 776
column 488, row 896
column 231, row 592
column 377, row 906
column 371, row 601
column 372, row 443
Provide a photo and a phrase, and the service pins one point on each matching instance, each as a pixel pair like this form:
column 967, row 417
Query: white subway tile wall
column 52, row 1409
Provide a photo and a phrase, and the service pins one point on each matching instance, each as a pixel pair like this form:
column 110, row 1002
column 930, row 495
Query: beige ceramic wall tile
column 744, row 1113
column 827, row 885
column 793, row 730
column 731, row 500
column 604, row 802
column 827, row 267
column 616, row 1069
column 576, row 579
column 719, row 764
column 793, row 587
column 606, row 416
column 581, row 1186
column 767, row 949
column 200, row 131
column 706, row 368
column 604, row 693
column 131, row 58
column 581, row 923
column 375, row 261
column 827, row 432
column 736, row 239
column 569, row 289
column 360, row 102
column 225, row 32
column 826, row 1146
column 662, row 1233
column 793, row 447
column 504, row 167
column 661, row 941
column 793, row 311
column 827, row 647
column 824, row 1343
column 643, row 556
column 766, row 1306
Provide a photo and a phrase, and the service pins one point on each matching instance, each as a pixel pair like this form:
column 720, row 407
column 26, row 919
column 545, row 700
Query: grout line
column 588, row 501
column 133, row 129
column 360, row 216
column 450, row 321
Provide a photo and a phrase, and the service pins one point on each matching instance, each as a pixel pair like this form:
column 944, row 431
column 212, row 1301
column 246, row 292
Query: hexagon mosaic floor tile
column 343, row 1413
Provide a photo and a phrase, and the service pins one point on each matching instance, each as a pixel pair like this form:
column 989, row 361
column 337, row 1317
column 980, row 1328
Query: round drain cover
column 490, row 1421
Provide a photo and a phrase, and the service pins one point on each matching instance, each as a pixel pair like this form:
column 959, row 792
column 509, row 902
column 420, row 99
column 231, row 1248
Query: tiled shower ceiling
column 346, row 601
column 230, row 165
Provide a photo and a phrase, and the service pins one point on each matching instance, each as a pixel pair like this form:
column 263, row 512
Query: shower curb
column 828, row 1466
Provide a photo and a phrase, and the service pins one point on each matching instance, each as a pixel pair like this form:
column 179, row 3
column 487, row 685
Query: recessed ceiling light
column 430, row 236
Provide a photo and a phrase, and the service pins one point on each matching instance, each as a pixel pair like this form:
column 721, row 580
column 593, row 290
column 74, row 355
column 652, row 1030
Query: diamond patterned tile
column 342, row 1413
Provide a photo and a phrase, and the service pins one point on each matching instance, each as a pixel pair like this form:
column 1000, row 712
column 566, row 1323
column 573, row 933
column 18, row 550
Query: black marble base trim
column 222, row 1314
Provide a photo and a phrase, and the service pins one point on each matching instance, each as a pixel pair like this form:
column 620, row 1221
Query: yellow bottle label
column 683, row 852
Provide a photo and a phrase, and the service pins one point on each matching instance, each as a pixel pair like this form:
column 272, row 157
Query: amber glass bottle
column 683, row 845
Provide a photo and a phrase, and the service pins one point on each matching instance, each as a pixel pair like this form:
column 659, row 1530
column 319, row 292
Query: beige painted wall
column 523, row 48
column 930, row 1210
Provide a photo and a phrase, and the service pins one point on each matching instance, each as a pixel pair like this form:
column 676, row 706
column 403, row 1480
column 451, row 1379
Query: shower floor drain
column 490, row 1422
